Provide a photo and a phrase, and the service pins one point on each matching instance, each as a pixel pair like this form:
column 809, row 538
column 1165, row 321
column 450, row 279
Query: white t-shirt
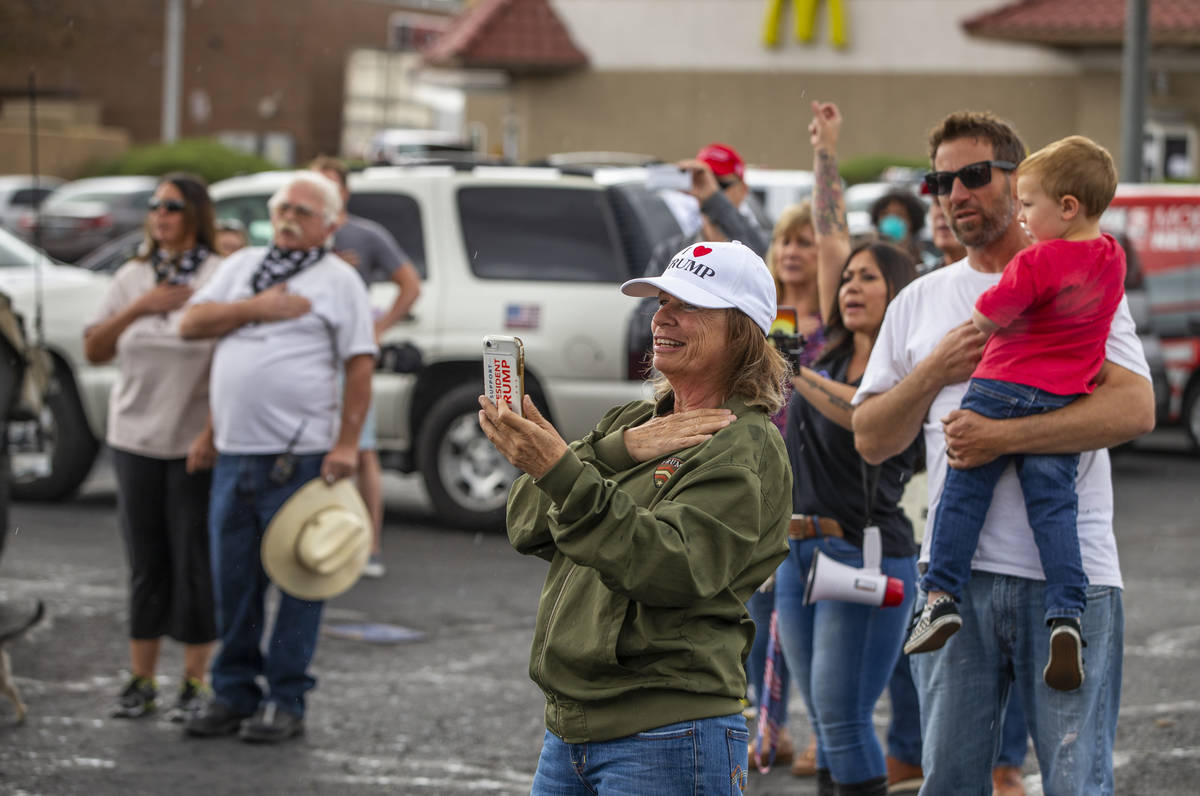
column 274, row 381
column 916, row 320
column 159, row 404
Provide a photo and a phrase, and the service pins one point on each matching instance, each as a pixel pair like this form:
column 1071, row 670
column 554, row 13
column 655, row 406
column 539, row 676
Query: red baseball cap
column 723, row 160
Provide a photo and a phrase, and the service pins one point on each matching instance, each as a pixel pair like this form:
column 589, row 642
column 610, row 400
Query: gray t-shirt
column 379, row 256
column 275, row 381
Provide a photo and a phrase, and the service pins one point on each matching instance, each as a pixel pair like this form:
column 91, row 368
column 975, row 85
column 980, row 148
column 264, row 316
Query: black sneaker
column 271, row 724
column 193, row 695
column 213, row 720
column 1064, row 669
column 137, row 699
column 937, row 622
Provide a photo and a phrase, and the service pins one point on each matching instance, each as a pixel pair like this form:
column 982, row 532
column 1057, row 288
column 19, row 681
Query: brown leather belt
column 807, row 526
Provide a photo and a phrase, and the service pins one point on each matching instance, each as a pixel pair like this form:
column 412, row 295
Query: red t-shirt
column 1054, row 304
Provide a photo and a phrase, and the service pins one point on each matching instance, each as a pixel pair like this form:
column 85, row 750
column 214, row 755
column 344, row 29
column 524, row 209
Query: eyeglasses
column 170, row 205
column 303, row 211
column 973, row 175
column 727, row 183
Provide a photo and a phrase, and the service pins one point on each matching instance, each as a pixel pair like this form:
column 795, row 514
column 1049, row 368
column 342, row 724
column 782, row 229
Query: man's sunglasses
column 170, row 205
column 973, row 175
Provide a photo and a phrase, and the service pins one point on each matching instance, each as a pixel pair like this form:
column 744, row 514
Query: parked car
column 108, row 257
column 529, row 252
column 51, row 454
column 81, row 215
column 775, row 189
column 1158, row 225
column 21, row 194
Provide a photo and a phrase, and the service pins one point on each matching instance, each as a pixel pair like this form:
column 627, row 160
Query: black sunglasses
column 170, row 205
column 973, row 175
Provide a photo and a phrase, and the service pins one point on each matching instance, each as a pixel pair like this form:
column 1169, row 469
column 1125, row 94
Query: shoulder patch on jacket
column 665, row 469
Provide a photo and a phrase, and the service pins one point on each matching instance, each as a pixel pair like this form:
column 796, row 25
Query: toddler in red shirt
column 1049, row 318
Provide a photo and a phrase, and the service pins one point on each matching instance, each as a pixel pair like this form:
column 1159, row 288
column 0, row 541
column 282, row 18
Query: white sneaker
column 374, row 567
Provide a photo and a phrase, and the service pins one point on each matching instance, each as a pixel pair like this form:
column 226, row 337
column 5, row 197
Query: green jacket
column 642, row 620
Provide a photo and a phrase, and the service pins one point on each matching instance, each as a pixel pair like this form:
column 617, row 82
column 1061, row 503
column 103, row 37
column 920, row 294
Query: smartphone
column 667, row 177
column 504, row 370
column 786, row 321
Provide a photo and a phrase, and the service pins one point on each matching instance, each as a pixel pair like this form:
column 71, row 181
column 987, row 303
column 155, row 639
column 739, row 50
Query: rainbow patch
column 665, row 469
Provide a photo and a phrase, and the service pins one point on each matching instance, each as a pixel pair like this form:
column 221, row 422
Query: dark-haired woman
column 161, row 441
column 841, row 654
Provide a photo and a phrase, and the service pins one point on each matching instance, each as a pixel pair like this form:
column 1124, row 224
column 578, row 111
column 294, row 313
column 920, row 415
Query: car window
column 29, row 197
column 252, row 212
column 400, row 215
column 139, row 200
column 525, row 232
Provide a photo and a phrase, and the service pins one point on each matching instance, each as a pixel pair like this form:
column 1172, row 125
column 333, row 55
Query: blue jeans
column 841, row 655
column 702, row 756
column 1048, row 484
column 243, row 501
column 965, row 684
column 904, row 730
column 760, row 605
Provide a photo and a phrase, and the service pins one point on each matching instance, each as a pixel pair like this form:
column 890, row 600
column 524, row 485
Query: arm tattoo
column 836, row 400
column 829, row 215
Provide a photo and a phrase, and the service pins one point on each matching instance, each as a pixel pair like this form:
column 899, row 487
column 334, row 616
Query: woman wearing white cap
column 657, row 525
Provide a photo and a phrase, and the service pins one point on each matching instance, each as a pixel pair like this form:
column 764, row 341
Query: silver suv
column 534, row 253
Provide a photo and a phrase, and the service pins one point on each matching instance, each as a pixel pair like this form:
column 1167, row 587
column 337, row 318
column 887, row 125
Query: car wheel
column 467, row 478
column 4, row 490
column 1191, row 414
column 52, row 454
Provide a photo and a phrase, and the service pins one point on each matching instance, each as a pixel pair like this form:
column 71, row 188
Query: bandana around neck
column 178, row 269
column 281, row 265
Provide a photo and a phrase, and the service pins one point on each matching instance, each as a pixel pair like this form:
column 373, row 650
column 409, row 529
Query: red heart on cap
column 700, row 251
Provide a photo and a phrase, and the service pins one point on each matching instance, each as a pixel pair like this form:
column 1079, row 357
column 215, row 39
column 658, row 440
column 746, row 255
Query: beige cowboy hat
column 317, row 543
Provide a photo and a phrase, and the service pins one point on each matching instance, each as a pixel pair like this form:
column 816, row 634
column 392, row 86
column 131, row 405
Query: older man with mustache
column 289, row 317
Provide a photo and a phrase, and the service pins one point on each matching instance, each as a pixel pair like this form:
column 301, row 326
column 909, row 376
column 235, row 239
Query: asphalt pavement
column 453, row 712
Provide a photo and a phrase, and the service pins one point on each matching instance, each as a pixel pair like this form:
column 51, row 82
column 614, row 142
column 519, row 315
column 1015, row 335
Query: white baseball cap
column 714, row 275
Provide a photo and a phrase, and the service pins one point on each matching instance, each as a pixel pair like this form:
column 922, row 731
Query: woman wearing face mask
column 841, row 654
column 161, row 441
column 898, row 216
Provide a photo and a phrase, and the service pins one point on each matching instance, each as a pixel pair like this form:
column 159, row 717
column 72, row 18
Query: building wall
column 883, row 36
column 765, row 115
column 259, row 66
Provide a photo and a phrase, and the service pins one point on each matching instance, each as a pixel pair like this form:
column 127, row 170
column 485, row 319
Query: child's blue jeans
column 1048, row 484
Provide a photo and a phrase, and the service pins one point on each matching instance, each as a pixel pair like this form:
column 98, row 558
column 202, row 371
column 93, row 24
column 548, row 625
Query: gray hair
column 323, row 185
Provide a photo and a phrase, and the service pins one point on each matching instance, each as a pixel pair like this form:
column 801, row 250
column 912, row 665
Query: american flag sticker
column 522, row 316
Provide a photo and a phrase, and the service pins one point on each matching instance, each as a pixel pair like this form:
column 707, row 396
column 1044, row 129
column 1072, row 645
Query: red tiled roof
column 518, row 35
column 1085, row 22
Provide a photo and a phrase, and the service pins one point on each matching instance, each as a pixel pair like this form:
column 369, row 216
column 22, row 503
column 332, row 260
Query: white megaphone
column 833, row 580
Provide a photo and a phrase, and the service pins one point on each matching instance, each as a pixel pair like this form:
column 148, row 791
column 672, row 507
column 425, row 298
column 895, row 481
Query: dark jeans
column 243, row 501
column 163, row 512
column 1048, row 484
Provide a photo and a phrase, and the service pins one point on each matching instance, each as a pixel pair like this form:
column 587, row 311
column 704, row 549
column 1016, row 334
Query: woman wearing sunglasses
column 841, row 654
column 161, row 441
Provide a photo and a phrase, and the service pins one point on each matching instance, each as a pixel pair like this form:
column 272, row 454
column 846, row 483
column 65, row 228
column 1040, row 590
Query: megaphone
column 832, row 580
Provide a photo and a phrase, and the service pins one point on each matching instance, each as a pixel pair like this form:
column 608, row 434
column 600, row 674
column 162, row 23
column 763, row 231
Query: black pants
column 164, row 521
